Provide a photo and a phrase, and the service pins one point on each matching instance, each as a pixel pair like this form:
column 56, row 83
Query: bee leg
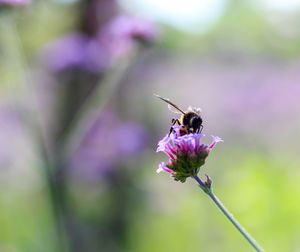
column 171, row 130
column 196, row 130
column 174, row 121
column 188, row 129
column 200, row 129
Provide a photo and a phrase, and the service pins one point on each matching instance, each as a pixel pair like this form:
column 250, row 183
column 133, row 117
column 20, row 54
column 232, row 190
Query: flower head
column 186, row 153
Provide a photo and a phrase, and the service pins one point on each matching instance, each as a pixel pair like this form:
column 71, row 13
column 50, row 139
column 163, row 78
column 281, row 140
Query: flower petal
column 216, row 139
column 160, row 167
column 163, row 167
column 162, row 143
column 197, row 137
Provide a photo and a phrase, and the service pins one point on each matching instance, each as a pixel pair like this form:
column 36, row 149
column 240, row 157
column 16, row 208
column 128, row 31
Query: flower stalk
column 186, row 156
column 208, row 190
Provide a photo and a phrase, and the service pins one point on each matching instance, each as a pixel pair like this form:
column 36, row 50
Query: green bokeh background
column 255, row 171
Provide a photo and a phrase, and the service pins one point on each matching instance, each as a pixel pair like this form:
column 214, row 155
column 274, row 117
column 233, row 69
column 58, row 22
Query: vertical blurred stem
column 33, row 120
column 82, row 121
column 228, row 215
column 92, row 108
column 54, row 164
column 55, row 197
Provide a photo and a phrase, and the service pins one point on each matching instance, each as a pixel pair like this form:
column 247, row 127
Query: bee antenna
column 171, row 104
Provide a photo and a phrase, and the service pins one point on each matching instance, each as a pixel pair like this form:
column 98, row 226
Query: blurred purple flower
column 186, row 154
column 76, row 51
column 15, row 2
column 119, row 34
column 109, row 142
column 97, row 54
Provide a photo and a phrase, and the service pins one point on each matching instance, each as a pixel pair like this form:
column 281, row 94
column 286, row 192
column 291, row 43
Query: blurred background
column 79, row 124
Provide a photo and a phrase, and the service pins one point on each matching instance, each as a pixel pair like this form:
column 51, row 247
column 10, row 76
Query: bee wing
column 173, row 107
column 194, row 109
column 174, row 110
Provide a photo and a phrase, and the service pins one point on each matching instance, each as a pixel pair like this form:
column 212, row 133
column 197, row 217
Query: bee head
column 196, row 122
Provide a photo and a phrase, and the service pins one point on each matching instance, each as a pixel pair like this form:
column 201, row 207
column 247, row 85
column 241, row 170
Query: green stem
column 33, row 121
column 88, row 113
column 229, row 216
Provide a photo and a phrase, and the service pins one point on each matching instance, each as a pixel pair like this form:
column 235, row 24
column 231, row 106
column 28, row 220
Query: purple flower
column 186, row 153
column 97, row 54
column 132, row 27
column 119, row 34
column 77, row 51
column 108, row 143
column 15, row 2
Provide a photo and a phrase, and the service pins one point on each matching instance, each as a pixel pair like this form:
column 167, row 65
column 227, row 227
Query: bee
column 191, row 120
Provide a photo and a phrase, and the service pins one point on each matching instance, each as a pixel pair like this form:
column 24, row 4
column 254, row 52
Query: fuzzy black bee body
column 191, row 120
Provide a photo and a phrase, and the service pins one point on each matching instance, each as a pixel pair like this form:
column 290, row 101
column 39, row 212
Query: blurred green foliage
column 259, row 188
column 262, row 195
